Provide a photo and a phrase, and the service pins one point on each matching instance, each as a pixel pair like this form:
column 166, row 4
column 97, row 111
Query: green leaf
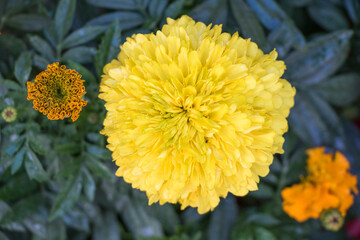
column 329, row 116
column 263, row 233
column 28, row 22
column 328, row 16
column 22, row 209
column 14, row 189
column 223, row 219
column 64, row 16
column 56, row 230
column 167, row 216
column 210, row 11
column 89, row 184
column 3, row 236
column 138, row 221
column 40, row 62
column 4, row 209
column 83, row 35
column 284, row 37
column 80, row 54
column 299, row 3
column 10, row 84
column 34, row 168
column 264, row 219
column 37, row 144
column 42, row 47
column 107, row 228
column 23, row 68
column 353, row 8
column 18, row 160
column 98, row 168
column 243, row 233
column 305, row 121
column 76, row 219
column 114, row 4
column 321, row 58
column 339, row 90
column 297, row 166
column 127, row 20
column 69, row 147
column 275, row 19
column 14, row 146
column 264, row 192
column 86, row 74
column 249, row 25
column 16, row 128
column 67, row 197
column 268, row 12
column 36, row 224
column 156, row 7
column 99, row 152
column 174, row 9
column 108, row 48
column 11, row 46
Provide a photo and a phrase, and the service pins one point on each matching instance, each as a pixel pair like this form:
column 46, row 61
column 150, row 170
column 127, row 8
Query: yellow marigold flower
column 194, row 113
column 57, row 92
column 9, row 114
column 328, row 185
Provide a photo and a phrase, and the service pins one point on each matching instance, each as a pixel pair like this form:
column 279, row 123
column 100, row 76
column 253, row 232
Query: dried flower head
column 9, row 114
column 327, row 185
column 194, row 113
column 332, row 219
column 57, row 92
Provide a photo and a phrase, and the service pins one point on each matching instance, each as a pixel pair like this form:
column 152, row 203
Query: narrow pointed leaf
column 249, row 25
column 109, row 47
column 34, row 168
column 114, row 4
column 98, row 168
column 127, row 20
column 340, row 90
column 80, row 54
column 83, row 35
column 210, row 11
column 28, row 22
column 223, row 219
column 23, row 68
column 328, row 16
column 67, row 197
column 64, row 16
column 42, row 47
column 321, row 58
column 17, row 161
column 14, row 188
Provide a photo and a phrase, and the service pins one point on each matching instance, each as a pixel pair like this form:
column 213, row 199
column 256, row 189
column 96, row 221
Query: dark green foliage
column 57, row 180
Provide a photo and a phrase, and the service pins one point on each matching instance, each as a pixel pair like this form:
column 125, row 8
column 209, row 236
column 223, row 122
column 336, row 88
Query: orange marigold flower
column 57, row 92
column 328, row 185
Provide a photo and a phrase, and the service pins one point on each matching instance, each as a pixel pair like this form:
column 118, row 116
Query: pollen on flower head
column 57, row 92
column 327, row 185
column 194, row 113
column 9, row 114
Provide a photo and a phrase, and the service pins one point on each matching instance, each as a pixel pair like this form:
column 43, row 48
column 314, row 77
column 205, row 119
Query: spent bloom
column 194, row 113
column 328, row 185
column 332, row 219
column 57, row 92
column 9, row 114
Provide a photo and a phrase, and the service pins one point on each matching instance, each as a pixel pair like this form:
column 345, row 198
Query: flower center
column 9, row 113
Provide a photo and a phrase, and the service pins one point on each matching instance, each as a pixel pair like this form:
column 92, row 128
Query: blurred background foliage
column 57, row 178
